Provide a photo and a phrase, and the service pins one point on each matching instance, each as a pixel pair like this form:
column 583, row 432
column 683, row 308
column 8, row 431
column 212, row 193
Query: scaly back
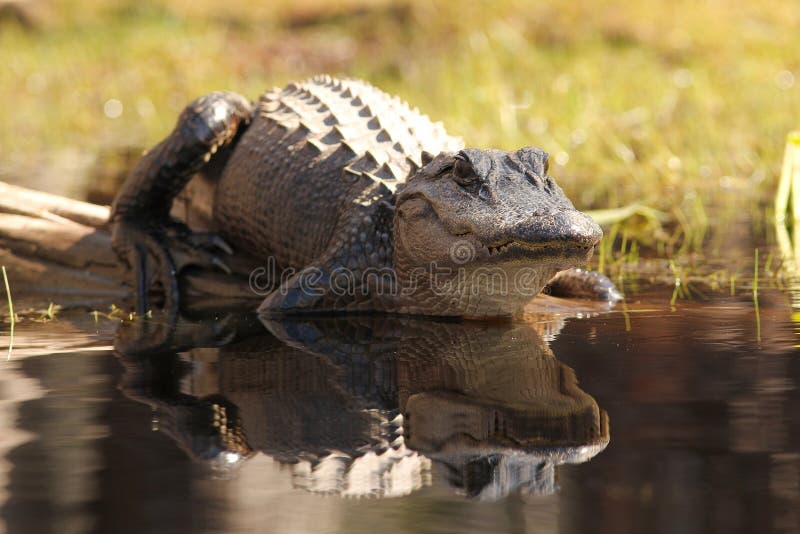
column 312, row 150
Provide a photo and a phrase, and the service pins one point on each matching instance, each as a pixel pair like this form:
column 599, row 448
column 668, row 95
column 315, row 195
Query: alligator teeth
column 498, row 249
column 494, row 250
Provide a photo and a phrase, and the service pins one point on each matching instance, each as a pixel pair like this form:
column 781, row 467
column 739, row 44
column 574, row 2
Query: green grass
column 787, row 232
column 679, row 106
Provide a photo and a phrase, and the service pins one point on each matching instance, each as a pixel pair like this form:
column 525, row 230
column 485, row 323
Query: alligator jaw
column 498, row 249
column 511, row 250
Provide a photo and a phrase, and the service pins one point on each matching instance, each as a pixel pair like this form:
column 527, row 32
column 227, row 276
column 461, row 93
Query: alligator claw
column 217, row 262
column 222, row 244
column 199, row 249
column 206, row 240
column 186, row 255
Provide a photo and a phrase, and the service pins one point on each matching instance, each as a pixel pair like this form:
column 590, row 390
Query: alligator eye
column 463, row 173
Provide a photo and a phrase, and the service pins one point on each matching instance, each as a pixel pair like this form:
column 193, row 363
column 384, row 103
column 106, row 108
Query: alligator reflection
column 368, row 406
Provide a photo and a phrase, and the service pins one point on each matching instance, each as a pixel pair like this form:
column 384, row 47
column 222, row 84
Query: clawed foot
column 157, row 253
column 198, row 249
column 583, row 284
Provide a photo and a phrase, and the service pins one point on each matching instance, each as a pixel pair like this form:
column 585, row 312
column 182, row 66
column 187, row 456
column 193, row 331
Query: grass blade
column 11, row 313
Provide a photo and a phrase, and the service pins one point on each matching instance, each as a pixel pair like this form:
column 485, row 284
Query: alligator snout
column 558, row 228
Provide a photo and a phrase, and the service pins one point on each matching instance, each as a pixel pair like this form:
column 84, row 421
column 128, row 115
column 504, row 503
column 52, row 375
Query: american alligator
column 358, row 202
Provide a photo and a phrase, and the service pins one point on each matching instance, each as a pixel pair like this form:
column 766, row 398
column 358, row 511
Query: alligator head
column 493, row 224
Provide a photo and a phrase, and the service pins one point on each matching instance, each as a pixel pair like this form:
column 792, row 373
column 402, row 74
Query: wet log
column 58, row 250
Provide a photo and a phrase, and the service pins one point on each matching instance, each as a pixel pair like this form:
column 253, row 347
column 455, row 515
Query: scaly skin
column 337, row 181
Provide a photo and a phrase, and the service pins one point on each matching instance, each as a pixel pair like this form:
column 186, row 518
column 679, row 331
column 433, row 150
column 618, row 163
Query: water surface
column 651, row 417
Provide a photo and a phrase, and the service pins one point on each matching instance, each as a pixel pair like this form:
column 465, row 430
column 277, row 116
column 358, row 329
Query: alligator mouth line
column 503, row 247
column 506, row 246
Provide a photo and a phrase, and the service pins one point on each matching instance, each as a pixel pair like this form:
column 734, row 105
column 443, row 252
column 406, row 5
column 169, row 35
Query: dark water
column 647, row 418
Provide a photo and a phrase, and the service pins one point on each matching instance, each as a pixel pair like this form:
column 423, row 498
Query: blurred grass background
column 683, row 103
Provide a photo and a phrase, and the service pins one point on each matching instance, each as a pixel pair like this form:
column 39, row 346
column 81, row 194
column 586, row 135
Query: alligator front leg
column 155, row 246
column 583, row 284
column 353, row 274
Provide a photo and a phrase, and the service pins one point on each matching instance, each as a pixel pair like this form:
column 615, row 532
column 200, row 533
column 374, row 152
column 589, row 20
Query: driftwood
column 58, row 250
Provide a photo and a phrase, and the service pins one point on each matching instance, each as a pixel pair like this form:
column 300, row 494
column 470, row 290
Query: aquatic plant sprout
column 789, row 189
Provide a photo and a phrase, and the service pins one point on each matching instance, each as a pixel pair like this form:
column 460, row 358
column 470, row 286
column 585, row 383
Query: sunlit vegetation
column 116, row 313
column 787, row 205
